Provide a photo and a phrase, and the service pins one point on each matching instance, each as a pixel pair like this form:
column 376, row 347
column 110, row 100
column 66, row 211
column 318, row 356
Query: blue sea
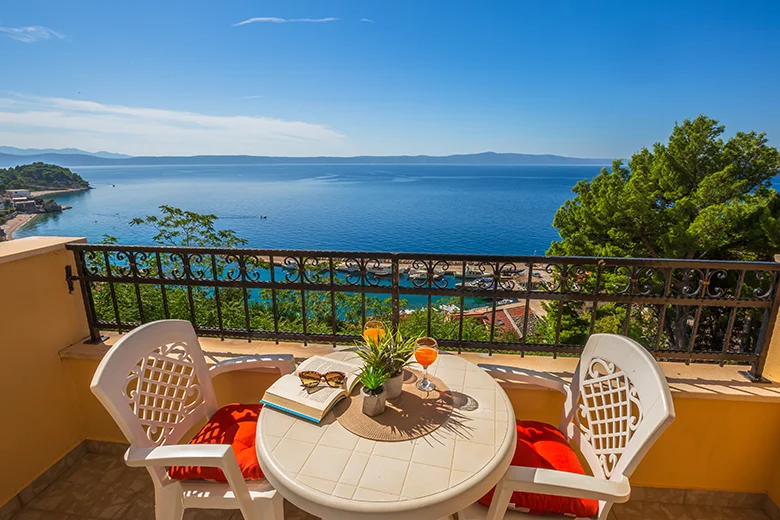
column 411, row 208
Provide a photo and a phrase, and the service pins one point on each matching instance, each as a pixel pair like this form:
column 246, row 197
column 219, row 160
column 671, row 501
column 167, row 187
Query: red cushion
column 234, row 424
column 540, row 445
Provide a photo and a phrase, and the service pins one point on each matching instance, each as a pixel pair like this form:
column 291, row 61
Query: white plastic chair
column 156, row 385
column 616, row 407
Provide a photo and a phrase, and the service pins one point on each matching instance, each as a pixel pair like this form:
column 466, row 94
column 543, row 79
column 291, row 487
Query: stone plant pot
column 394, row 385
column 373, row 404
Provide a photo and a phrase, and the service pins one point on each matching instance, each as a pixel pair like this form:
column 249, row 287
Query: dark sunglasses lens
column 309, row 379
column 335, row 379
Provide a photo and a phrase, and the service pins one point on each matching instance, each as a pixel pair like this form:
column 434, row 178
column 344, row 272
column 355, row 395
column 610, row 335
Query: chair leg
column 500, row 502
column 272, row 509
column 168, row 503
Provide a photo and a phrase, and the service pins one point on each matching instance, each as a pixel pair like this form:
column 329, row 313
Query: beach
column 43, row 193
column 17, row 222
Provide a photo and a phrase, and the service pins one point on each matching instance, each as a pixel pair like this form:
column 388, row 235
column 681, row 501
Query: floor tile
column 725, row 513
column 651, row 511
column 31, row 514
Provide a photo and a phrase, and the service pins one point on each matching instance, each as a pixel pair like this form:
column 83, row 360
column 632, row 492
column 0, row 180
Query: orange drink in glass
column 426, row 353
column 374, row 331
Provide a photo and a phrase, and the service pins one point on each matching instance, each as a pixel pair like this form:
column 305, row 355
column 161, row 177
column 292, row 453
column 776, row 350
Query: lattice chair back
column 155, row 383
column 621, row 404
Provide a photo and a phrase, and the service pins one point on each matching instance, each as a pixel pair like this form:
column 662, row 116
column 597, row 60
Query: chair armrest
column 562, row 483
column 211, row 455
column 285, row 363
column 524, row 375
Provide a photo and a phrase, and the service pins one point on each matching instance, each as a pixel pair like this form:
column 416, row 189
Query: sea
column 506, row 210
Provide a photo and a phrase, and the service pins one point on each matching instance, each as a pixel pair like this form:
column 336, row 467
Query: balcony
column 710, row 324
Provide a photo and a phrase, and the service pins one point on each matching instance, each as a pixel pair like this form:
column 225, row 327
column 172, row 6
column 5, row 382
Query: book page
column 289, row 387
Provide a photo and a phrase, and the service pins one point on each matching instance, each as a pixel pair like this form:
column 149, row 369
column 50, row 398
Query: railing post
column 396, row 293
column 86, row 296
column 767, row 331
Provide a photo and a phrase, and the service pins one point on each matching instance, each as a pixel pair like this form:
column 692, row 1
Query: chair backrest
column 621, row 404
column 155, row 383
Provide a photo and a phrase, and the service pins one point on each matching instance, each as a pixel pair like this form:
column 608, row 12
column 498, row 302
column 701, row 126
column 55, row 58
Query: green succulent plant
column 372, row 379
column 391, row 353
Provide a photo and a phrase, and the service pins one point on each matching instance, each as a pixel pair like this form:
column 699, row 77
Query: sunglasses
column 310, row 378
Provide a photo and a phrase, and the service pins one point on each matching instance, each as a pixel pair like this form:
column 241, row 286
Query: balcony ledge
column 21, row 248
column 700, row 381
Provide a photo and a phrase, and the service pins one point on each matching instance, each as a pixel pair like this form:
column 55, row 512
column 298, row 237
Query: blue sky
column 587, row 78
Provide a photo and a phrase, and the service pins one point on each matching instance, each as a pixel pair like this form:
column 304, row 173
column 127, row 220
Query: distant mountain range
column 12, row 150
column 487, row 158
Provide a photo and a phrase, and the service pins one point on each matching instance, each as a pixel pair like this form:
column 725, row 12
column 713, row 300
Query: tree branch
column 648, row 246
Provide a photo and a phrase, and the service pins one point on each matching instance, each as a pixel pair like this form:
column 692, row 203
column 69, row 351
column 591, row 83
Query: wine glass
column 426, row 353
column 374, row 331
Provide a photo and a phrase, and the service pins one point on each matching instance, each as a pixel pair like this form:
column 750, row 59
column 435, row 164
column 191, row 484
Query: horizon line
column 411, row 156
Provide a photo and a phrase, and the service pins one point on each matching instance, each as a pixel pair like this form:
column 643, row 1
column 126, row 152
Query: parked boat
column 480, row 283
column 380, row 270
column 472, row 274
column 344, row 267
column 423, row 275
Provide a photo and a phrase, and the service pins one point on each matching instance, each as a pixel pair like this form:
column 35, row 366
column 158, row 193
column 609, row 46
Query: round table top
column 332, row 473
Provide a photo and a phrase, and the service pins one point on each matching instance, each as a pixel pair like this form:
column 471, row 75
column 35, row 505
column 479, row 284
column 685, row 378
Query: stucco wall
column 41, row 420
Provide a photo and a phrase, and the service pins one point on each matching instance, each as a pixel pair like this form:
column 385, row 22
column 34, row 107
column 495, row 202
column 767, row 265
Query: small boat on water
column 480, row 283
column 380, row 270
column 423, row 275
column 472, row 274
column 345, row 267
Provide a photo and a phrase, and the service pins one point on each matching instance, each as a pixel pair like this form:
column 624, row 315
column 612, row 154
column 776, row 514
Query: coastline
column 16, row 223
column 43, row 193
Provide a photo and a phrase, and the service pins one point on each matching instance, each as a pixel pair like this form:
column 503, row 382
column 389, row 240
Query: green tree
column 178, row 227
column 695, row 197
column 38, row 176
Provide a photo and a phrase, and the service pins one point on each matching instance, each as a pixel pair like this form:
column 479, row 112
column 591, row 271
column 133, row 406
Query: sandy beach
column 53, row 192
column 15, row 223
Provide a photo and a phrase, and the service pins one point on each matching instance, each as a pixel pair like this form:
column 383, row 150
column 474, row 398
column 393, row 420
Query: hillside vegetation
column 39, row 176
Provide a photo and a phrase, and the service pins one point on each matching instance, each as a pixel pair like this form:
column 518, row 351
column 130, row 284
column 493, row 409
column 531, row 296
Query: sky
column 301, row 78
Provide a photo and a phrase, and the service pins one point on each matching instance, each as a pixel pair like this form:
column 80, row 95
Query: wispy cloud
column 34, row 122
column 367, row 20
column 270, row 19
column 30, row 34
column 251, row 97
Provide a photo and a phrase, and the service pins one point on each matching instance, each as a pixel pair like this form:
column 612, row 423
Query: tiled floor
column 101, row 487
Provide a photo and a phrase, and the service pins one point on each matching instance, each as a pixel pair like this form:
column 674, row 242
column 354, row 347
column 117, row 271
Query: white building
column 19, row 194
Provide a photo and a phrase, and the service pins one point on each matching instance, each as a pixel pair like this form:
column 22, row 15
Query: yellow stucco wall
column 41, row 420
column 774, row 486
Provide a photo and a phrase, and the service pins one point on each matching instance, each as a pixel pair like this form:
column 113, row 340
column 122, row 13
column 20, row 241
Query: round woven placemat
column 411, row 415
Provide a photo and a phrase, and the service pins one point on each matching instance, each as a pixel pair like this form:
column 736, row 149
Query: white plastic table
column 332, row 473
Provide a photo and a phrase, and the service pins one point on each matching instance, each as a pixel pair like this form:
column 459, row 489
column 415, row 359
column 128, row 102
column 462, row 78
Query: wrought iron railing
column 685, row 310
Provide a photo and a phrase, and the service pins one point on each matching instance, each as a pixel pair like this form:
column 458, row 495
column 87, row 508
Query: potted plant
column 398, row 353
column 390, row 351
column 373, row 392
